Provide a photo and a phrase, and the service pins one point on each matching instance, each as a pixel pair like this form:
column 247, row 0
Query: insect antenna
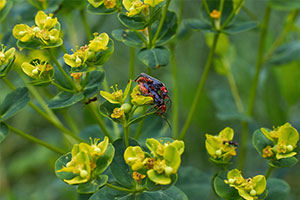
column 167, row 121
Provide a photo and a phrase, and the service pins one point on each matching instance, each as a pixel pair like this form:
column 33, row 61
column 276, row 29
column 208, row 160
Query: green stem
column 36, row 140
column 162, row 20
column 62, row 88
column 141, row 117
column 85, row 80
column 70, row 121
column 139, row 129
column 99, row 120
column 150, row 30
column 232, row 14
column 249, row 13
column 119, row 188
column 60, row 68
column 269, row 172
column 175, row 97
column 126, row 134
column 200, row 87
column 131, row 64
column 85, row 24
column 259, row 65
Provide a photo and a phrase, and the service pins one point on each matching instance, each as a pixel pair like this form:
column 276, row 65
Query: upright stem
column 60, row 68
column 268, row 173
column 131, row 64
column 175, row 97
column 85, row 24
column 162, row 20
column 200, row 87
column 126, row 134
column 36, row 140
column 99, row 120
column 259, row 65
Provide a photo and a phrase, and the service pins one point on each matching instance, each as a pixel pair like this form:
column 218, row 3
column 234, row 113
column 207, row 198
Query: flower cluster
column 164, row 160
column 248, row 188
column 84, row 160
column 46, row 31
column 284, row 139
column 107, row 3
column 87, row 53
column 135, row 7
column 39, row 70
column 221, row 148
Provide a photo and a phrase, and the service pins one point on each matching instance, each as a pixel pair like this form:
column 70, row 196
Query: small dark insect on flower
column 90, row 100
column 235, row 144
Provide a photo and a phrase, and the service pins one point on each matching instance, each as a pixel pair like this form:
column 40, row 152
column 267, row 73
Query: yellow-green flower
column 2, row 4
column 153, row 3
column 249, row 188
column 44, row 21
column 138, row 99
column 118, row 113
column 96, row 149
column 23, row 32
column 285, row 140
column 99, row 42
column 37, row 69
column 79, row 165
column 109, row 4
column 117, row 96
column 6, row 56
column 49, row 37
column 78, row 58
column 215, row 14
column 133, row 7
column 221, row 147
column 134, row 157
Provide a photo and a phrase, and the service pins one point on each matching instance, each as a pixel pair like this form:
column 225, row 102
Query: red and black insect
column 150, row 86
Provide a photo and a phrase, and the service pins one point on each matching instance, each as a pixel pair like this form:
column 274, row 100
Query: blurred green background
column 27, row 170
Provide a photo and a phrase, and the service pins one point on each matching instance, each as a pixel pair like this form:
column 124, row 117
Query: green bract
column 284, row 139
column 249, row 188
column 164, row 160
column 221, row 148
column 86, row 162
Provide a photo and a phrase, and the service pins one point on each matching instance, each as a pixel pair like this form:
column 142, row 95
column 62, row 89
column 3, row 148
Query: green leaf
column 4, row 69
column 194, row 183
column 3, row 131
column 198, row 25
column 119, row 169
column 260, row 141
column 31, row 45
column 150, row 185
column 94, row 83
column 135, row 22
column 107, row 193
column 284, row 162
column 224, row 190
column 102, row 57
column 93, row 185
column 285, row 5
column 278, row 189
column 65, row 99
column 104, row 161
column 14, row 102
column 4, row 12
column 128, row 37
column 286, row 53
column 240, row 27
column 101, row 10
column 62, row 162
column 168, row 30
column 155, row 58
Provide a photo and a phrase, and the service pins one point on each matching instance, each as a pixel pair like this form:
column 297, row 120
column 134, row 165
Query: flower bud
column 126, row 107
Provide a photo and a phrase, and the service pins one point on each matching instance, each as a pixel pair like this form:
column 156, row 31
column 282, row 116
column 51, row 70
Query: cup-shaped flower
column 134, row 157
column 221, row 147
column 37, row 69
column 99, row 42
column 134, row 7
column 23, row 32
column 2, row 4
column 285, row 140
column 78, row 58
column 153, row 3
column 49, row 37
column 138, row 99
column 249, row 188
column 6, row 56
column 117, row 96
column 44, row 21
column 79, row 165
column 157, row 148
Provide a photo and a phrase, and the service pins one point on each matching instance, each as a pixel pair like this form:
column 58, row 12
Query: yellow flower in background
column 153, row 3
column 215, row 14
column 6, row 56
column 23, row 32
column 133, row 6
column 2, row 4
column 44, row 21
column 99, row 43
